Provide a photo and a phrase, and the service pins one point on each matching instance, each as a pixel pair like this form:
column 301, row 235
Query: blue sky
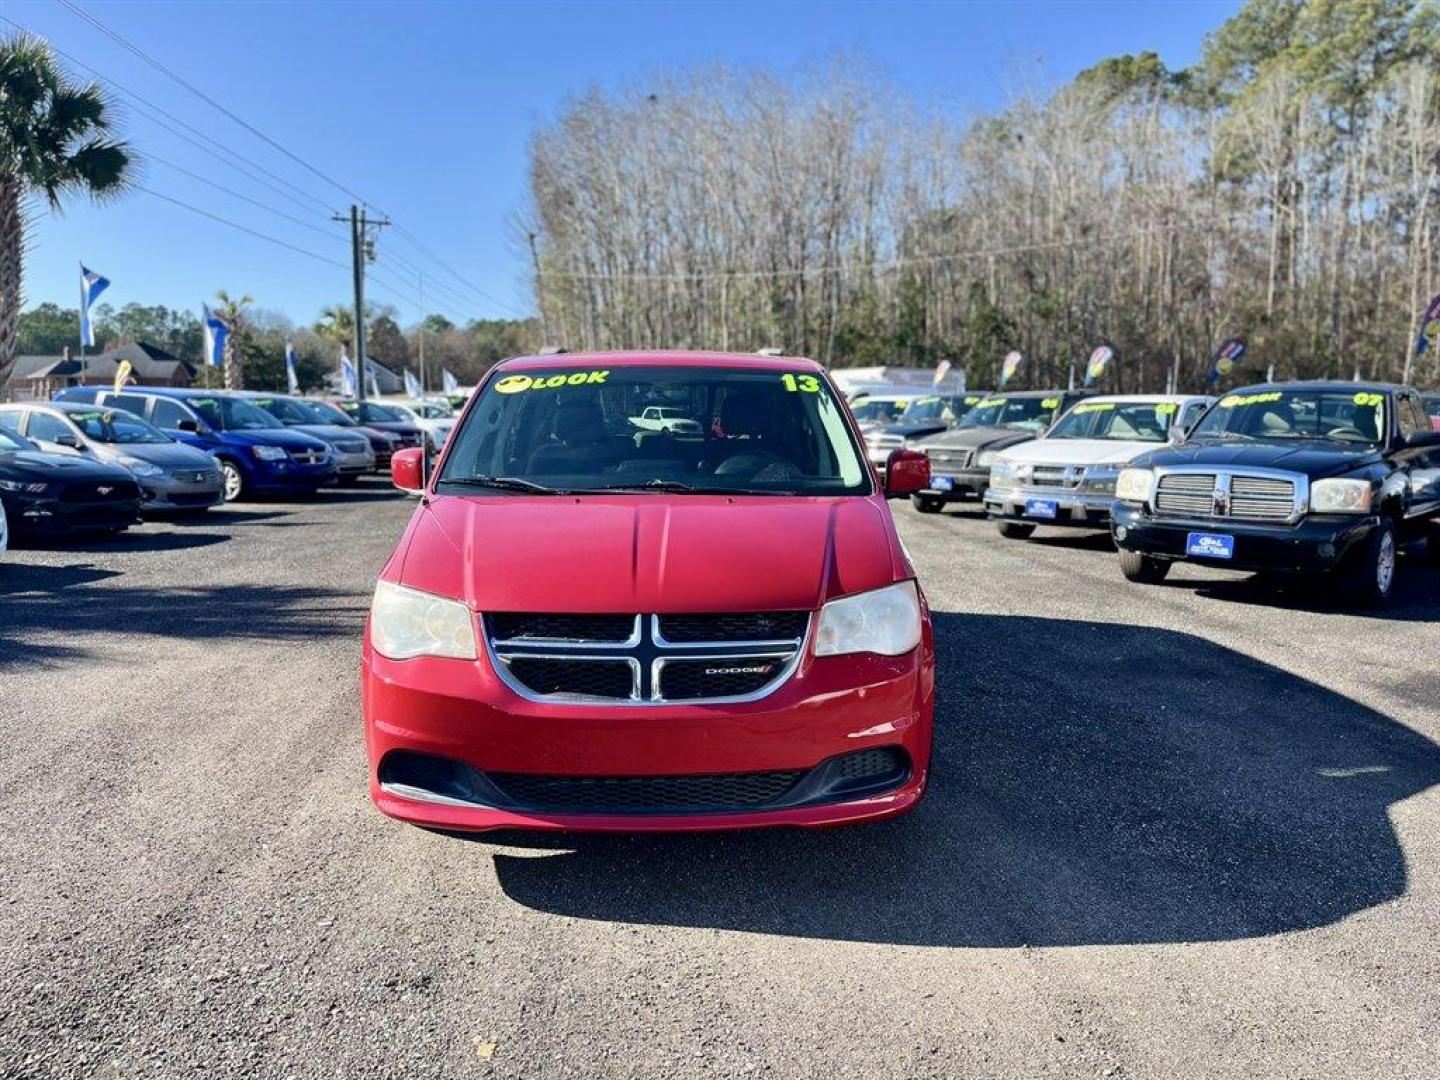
column 425, row 109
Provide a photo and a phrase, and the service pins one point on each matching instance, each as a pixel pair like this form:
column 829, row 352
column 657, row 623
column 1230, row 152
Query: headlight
column 141, row 468
column 986, row 459
column 1340, row 496
column 406, row 622
column 16, row 485
column 1003, row 474
column 1101, row 481
column 1134, row 485
column 269, row 453
column 885, row 621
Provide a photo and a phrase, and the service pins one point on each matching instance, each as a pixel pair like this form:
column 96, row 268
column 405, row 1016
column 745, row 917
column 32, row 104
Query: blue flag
column 372, row 385
column 348, row 386
column 1231, row 350
column 448, row 382
column 291, row 378
column 1429, row 328
column 91, row 286
column 217, row 332
column 412, row 385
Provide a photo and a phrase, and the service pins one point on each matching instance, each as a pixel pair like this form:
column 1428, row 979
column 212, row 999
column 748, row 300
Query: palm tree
column 337, row 324
column 54, row 142
column 235, row 311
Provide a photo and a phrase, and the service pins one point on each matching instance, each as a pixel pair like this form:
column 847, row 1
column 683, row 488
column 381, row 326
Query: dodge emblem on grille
column 758, row 669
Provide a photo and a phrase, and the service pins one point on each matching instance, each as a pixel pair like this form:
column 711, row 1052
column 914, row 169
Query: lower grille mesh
column 578, row 677
column 682, row 680
column 637, row 794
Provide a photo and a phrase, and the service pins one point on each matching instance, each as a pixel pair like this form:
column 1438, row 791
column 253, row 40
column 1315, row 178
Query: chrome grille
column 310, row 457
column 645, row 659
column 1260, row 498
column 950, row 459
column 1186, row 494
column 348, row 447
column 1056, row 476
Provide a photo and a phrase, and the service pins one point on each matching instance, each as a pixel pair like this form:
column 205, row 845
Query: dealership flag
column 1429, row 328
column 217, row 331
column 449, row 382
column 122, row 375
column 1008, row 366
column 1231, row 350
column 412, row 385
column 371, row 380
column 1098, row 360
column 91, row 286
column 348, row 386
column 941, row 370
column 292, row 378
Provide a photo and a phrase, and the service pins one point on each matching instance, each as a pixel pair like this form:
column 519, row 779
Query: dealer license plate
column 942, row 483
column 1210, row 545
column 1040, row 508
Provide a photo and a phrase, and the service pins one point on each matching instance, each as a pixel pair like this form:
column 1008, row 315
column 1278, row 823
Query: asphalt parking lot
column 1185, row 830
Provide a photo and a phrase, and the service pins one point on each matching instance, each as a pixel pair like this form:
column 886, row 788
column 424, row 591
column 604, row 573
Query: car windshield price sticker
column 1210, row 545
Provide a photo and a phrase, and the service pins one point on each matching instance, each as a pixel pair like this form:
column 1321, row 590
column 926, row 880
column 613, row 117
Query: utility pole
column 362, row 250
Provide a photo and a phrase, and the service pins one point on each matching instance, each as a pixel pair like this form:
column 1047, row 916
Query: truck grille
column 886, row 442
column 943, row 460
column 1227, row 495
column 637, row 659
column 1056, row 476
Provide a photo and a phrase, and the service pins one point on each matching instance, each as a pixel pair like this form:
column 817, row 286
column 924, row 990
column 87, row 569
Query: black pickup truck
column 1297, row 478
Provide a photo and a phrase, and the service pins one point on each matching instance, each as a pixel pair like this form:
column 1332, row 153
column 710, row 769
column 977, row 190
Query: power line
column 236, row 225
column 240, row 195
column 174, row 76
column 218, row 151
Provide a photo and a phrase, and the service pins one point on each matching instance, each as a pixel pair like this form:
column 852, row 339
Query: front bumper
column 164, row 493
column 967, row 483
column 461, row 712
column 291, row 475
column 357, row 464
column 1073, row 507
column 1316, row 544
column 31, row 515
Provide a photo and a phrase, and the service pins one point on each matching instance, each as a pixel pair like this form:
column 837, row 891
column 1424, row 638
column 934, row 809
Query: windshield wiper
column 503, row 483
column 656, row 484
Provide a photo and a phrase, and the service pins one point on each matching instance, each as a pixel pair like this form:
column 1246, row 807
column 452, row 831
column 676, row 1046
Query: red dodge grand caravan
column 598, row 621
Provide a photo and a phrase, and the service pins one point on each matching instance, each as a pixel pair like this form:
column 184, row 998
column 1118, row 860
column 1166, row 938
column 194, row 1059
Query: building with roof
column 37, row 378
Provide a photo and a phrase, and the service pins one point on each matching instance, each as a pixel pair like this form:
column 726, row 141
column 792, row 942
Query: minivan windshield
column 116, row 426
column 285, row 410
column 754, row 431
column 1340, row 415
column 1023, row 414
column 325, row 413
column 231, row 414
column 1124, row 421
column 368, row 412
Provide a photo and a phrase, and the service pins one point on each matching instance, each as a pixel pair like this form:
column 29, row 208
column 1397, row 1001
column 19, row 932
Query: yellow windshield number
column 1094, row 406
column 805, row 384
column 1050, row 403
column 1372, row 400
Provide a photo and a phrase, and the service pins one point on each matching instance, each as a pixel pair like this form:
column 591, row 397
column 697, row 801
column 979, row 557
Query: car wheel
column 1013, row 530
column 1143, row 568
column 927, row 504
column 234, row 480
column 1371, row 580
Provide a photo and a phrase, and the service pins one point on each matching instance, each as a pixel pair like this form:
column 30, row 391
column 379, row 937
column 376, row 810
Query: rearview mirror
column 906, row 472
column 407, row 469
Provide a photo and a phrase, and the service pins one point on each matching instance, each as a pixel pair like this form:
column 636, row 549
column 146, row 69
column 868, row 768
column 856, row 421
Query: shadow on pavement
column 130, row 542
column 1095, row 783
column 81, row 603
column 1416, row 596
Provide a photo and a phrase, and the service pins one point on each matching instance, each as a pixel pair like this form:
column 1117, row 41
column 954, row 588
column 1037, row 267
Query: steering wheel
column 1346, row 432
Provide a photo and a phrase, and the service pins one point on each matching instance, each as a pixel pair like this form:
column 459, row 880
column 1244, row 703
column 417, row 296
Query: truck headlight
column 405, row 623
column 884, row 621
column 1134, row 485
column 986, row 459
column 1004, row 474
column 269, row 453
column 1338, row 496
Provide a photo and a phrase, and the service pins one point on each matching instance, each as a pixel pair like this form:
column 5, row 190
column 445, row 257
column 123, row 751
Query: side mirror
column 906, row 472
column 1178, row 433
column 67, row 438
column 1422, row 439
column 188, row 425
column 407, row 469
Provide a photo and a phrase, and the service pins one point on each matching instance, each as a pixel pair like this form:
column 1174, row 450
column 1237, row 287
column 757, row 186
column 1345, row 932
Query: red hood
column 649, row 553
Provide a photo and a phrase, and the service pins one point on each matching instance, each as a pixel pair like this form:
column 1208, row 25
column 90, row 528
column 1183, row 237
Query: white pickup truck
column 663, row 418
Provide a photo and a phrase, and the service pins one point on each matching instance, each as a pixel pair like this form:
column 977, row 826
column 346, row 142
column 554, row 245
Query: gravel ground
column 1186, row 830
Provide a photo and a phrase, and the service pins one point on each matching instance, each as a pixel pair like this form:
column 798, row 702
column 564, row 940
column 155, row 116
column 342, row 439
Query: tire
column 1142, row 568
column 927, row 504
column 234, row 479
column 1370, row 579
column 1014, row 530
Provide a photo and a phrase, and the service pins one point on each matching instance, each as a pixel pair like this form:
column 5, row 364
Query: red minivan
column 594, row 622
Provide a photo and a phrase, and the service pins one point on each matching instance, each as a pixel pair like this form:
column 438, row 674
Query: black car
column 922, row 417
column 960, row 456
column 383, row 418
column 48, row 494
column 1297, row 478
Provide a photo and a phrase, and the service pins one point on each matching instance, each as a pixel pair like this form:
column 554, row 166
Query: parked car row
column 1299, row 478
column 93, row 459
